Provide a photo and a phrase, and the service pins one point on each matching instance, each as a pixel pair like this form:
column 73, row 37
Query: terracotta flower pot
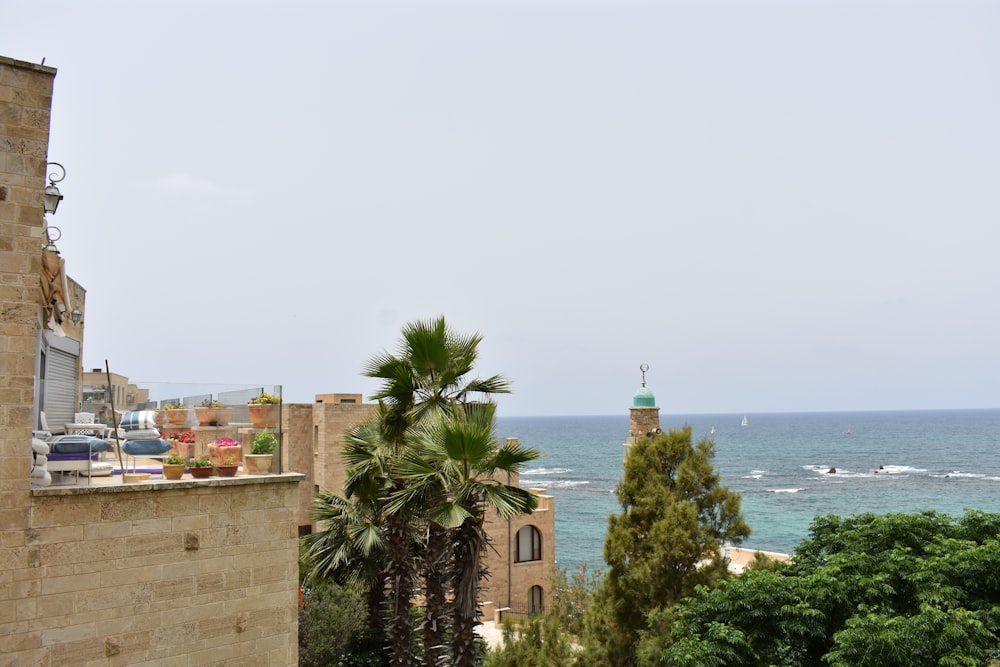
column 218, row 455
column 213, row 416
column 177, row 417
column 202, row 473
column 257, row 464
column 227, row 471
column 264, row 416
column 173, row 470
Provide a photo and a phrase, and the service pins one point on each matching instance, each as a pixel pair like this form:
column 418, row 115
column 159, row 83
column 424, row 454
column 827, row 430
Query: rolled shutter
column 59, row 400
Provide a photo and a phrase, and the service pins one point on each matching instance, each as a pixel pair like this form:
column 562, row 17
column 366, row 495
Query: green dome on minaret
column 644, row 397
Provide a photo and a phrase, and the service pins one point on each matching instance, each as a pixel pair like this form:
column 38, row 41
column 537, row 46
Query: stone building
column 169, row 573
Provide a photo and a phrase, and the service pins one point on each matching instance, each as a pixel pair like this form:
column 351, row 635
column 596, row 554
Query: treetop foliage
column 878, row 590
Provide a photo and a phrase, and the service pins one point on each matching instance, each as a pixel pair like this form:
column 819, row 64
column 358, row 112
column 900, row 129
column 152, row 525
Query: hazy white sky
column 780, row 205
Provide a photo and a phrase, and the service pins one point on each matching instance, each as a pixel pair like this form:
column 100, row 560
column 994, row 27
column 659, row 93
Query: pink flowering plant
column 186, row 437
column 224, row 448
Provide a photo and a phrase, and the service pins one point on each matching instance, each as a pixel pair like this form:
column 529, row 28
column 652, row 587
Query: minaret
column 644, row 416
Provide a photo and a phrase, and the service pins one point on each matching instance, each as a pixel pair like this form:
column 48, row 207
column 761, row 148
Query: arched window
column 529, row 545
column 535, row 600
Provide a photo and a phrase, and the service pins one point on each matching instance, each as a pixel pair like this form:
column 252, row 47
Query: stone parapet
column 157, row 573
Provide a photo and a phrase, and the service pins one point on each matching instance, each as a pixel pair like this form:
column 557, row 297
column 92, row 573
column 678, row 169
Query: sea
column 787, row 467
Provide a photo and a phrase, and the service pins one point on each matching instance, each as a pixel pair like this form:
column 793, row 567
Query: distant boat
column 712, row 432
column 744, row 422
column 848, row 430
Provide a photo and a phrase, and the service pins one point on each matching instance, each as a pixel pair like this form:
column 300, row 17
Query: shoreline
column 740, row 557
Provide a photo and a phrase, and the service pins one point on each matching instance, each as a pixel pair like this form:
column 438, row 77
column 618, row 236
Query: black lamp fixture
column 52, row 194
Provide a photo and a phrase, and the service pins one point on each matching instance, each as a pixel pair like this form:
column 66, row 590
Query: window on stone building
column 535, row 600
column 529, row 545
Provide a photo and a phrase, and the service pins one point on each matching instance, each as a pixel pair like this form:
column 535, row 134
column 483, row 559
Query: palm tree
column 428, row 373
column 457, row 467
column 350, row 549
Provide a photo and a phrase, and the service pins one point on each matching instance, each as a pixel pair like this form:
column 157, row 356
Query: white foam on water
column 545, row 471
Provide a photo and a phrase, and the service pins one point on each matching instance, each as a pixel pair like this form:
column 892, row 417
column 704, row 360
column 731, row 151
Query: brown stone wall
column 332, row 421
column 642, row 421
column 296, row 452
column 311, row 444
column 25, row 102
column 198, row 575
column 509, row 582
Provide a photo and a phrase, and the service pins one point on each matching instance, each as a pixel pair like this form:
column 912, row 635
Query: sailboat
column 848, row 430
column 712, row 432
column 744, row 422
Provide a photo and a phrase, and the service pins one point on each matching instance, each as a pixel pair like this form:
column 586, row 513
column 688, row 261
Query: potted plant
column 258, row 461
column 173, row 467
column 183, row 442
column 228, row 467
column 201, row 468
column 265, row 410
column 213, row 413
column 177, row 414
column 223, row 448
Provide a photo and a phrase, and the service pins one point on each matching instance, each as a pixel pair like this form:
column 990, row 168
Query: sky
column 776, row 205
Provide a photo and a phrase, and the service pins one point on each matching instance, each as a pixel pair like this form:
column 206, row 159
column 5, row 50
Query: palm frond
column 508, row 501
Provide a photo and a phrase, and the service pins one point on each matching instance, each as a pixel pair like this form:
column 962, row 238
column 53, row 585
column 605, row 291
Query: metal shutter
column 60, row 390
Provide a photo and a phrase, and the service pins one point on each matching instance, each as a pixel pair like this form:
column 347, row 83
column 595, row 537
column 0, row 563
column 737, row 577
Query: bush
column 333, row 629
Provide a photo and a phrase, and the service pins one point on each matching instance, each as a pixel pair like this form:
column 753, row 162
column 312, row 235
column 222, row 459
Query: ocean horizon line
column 873, row 411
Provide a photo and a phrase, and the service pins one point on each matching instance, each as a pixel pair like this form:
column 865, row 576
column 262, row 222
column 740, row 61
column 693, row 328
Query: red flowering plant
column 224, row 448
column 186, row 437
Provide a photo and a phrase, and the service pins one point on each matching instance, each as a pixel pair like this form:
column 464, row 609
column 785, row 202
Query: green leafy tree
column 569, row 597
column 457, row 470
column 871, row 590
column 667, row 540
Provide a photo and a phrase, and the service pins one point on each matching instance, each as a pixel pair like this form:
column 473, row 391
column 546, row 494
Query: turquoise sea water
column 780, row 464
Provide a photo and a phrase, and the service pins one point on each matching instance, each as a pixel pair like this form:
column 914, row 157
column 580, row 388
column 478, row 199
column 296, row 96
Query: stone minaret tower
column 644, row 416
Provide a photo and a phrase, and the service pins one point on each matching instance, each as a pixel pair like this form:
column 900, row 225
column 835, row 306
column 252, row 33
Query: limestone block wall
column 193, row 573
column 25, row 103
column 296, row 453
column 509, row 582
column 332, row 420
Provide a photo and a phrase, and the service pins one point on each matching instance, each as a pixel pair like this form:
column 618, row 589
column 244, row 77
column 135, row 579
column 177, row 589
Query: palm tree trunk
column 375, row 601
column 436, row 579
column 399, row 575
column 468, row 545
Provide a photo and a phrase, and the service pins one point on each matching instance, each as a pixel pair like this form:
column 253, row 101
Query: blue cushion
column 147, row 447
column 138, row 420
column 75, row 444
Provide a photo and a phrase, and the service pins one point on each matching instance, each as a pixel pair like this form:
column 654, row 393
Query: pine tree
column 667, row 540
